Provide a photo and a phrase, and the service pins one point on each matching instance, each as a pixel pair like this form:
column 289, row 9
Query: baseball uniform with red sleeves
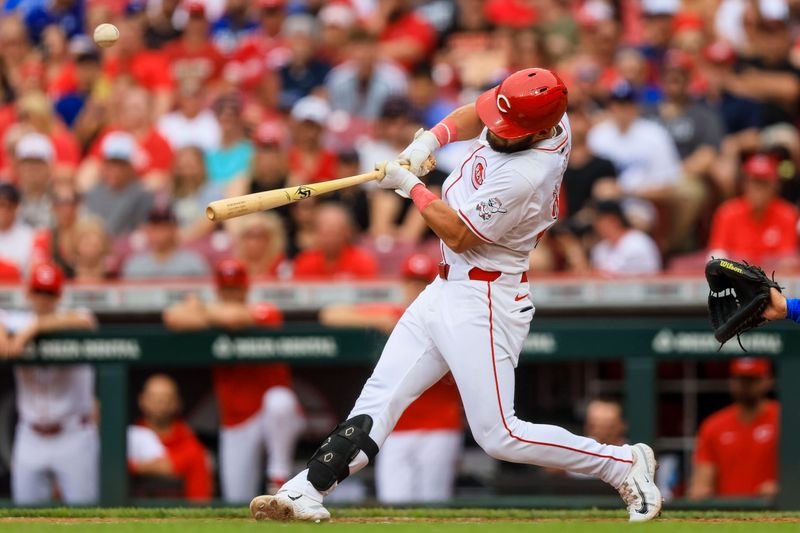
column 55, row 434
column 259, row 412
column 473, row 320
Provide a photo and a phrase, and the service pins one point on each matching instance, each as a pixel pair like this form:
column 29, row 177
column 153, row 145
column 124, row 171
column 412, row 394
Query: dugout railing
column 640, row 343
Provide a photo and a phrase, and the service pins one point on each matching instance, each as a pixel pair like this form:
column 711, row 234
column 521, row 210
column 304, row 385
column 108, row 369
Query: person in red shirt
column 404, row 36
column 737, row 447
column 427, row 439
column 309, row 160
column 194, row 56
column 9, row 273
column 334, row 256
column 758, row 226
column 160, row 405
column 258, row 408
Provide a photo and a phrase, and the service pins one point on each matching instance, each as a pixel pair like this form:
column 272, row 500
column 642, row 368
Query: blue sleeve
column 793, row 309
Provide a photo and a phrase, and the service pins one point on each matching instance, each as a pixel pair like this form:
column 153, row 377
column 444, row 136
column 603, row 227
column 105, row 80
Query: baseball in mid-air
column 106, row 35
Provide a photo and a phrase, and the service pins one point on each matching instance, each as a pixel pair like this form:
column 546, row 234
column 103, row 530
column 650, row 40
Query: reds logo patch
column 478, row 171
column 489, row 208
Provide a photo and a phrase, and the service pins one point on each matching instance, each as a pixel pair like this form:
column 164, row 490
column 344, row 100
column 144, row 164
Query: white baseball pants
column 418, row 466
column 70, row 459
column 275, row 428
column 474, row 329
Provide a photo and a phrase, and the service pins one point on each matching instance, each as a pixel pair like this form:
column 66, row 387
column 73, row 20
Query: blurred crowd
column 683, row 120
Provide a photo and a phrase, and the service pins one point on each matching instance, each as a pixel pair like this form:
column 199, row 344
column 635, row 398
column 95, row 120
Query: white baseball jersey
column 508, row 200
column 49, row 394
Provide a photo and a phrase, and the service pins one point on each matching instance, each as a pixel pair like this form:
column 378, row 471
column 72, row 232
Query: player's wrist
column 422, row 196
column 443, row 133
column 791, row 310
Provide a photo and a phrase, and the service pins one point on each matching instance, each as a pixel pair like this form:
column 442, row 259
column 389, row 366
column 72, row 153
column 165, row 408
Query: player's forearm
column 156, row 467
column 70, row 320
column 229, row 316
column 464, row 121
column 183, row 318
column 446, row 224
column 345, row 316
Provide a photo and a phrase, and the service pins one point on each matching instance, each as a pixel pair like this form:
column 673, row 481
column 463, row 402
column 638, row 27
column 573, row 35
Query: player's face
column 748, row 391
column 42, row 303
column 236, row 295
column 758, row 192
column 509, row 146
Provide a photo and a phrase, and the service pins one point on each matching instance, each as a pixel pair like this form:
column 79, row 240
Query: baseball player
column 472, row 320
column 418, row 461
column 56, row 437
column 258, row 408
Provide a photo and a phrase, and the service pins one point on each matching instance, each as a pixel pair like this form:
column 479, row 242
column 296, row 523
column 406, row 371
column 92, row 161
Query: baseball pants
column 418, row 466
column 70, row 459
column 474, row 329
column 275, row 428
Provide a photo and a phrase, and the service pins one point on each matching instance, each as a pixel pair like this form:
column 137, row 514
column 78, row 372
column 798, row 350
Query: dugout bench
column 638, row 342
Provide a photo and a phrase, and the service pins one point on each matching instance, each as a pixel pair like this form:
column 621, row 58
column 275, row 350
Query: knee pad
column 331, row 462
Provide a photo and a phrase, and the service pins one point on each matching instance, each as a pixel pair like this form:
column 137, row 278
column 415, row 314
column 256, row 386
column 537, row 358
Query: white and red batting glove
column 420, row 149
column 399, row 179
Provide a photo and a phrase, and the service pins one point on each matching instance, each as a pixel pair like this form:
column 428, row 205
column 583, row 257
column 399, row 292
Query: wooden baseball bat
column 238, row 206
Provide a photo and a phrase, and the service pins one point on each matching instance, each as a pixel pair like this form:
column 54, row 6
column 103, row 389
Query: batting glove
column 420, row 149
column 398, row 178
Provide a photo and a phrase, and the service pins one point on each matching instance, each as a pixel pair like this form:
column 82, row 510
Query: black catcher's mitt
column 737, row 299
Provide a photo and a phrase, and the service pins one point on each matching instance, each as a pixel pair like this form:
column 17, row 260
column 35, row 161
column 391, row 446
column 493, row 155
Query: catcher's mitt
column 738, row 295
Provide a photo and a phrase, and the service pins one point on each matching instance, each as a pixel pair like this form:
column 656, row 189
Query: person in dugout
column 258, row 408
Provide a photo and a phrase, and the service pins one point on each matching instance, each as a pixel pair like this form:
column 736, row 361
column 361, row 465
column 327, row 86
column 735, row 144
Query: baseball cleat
column 286, row 506
column 639, row 490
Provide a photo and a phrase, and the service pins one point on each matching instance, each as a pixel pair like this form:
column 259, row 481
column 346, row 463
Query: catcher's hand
column 776, row 308
column 739, row 298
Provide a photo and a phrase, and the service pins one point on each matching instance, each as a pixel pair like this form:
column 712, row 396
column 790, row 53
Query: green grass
column 385, row 520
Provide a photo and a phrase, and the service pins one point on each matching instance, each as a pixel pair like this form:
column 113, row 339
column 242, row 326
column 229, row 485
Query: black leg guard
column 330, row 463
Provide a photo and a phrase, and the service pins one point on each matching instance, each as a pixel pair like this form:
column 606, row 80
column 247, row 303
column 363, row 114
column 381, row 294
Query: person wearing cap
column 736, row 453
column 90, row 88
column 16, row 237
column 232, row 158
column 192, row 123
column 404, row 36
column 56, row 438
column 164, row 258
column 641, row 149
column 309, row 160
column 474, row 318
column 235, row 25
column 33, row 163
column 658, row 27
column 193, row 57
column 119, row 198
column 304, row 72
column 622, row 250
column 419, row 460
column 336, row 20
column 758, row 226
column 362, row 84
column 258, row 409
column 159, row 27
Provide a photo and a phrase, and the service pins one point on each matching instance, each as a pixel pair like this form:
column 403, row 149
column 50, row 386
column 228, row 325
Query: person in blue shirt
column 781, row 307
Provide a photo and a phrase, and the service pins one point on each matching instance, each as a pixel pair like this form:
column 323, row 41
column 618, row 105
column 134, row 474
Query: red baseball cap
column 720, row 53
column 752, row 367
column 269, row 4
column 196, row 9
column 231, row 273
column 47, row 278
column 419, row 266
column 678, row 59
column 761, row 167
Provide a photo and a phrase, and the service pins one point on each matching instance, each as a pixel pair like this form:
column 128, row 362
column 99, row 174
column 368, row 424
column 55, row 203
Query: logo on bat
column 303, row 192
column 488, row 208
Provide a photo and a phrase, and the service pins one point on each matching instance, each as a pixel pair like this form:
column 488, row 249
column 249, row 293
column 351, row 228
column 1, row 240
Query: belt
column 51, row 430
column 477, row 274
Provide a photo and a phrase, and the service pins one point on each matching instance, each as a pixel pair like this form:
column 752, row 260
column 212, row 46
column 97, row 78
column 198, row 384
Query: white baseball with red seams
column 476, row 329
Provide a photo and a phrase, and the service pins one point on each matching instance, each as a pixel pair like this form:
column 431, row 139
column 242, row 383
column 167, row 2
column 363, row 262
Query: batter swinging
column 473, row 319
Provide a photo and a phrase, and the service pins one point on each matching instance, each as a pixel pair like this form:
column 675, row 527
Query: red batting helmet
column 231, row 273
column 527, row 102
column 47, row 278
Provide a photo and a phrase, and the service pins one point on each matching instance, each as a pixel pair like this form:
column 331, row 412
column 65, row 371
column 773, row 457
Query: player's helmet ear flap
column 527, row 102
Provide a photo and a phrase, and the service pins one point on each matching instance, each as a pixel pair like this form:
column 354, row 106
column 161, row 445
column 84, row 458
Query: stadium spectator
column 88, row 81
column 337, row 20
column 193, row 57
column 642, row 151
column 56, row 438
column 427, row 439
column 68, row 15
column 154, row 156
column 165, row 258
column 404, row 36
column 33, row 168
column 309, row 160
column 119, row 198
column 160, row 28
column 258, row 408
column 362, row 84
column 160, row 405
column 191, row 192
column 232, row 158
column 91, row 247
column 758, row 226
column 622, row 250
column 270, row 169
column 235, row 24
column 736, row 453
column 16, row 237
column 191, row 124
column 261, row 246
column 333, row 255
column 56, row 242
column 304, row 72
